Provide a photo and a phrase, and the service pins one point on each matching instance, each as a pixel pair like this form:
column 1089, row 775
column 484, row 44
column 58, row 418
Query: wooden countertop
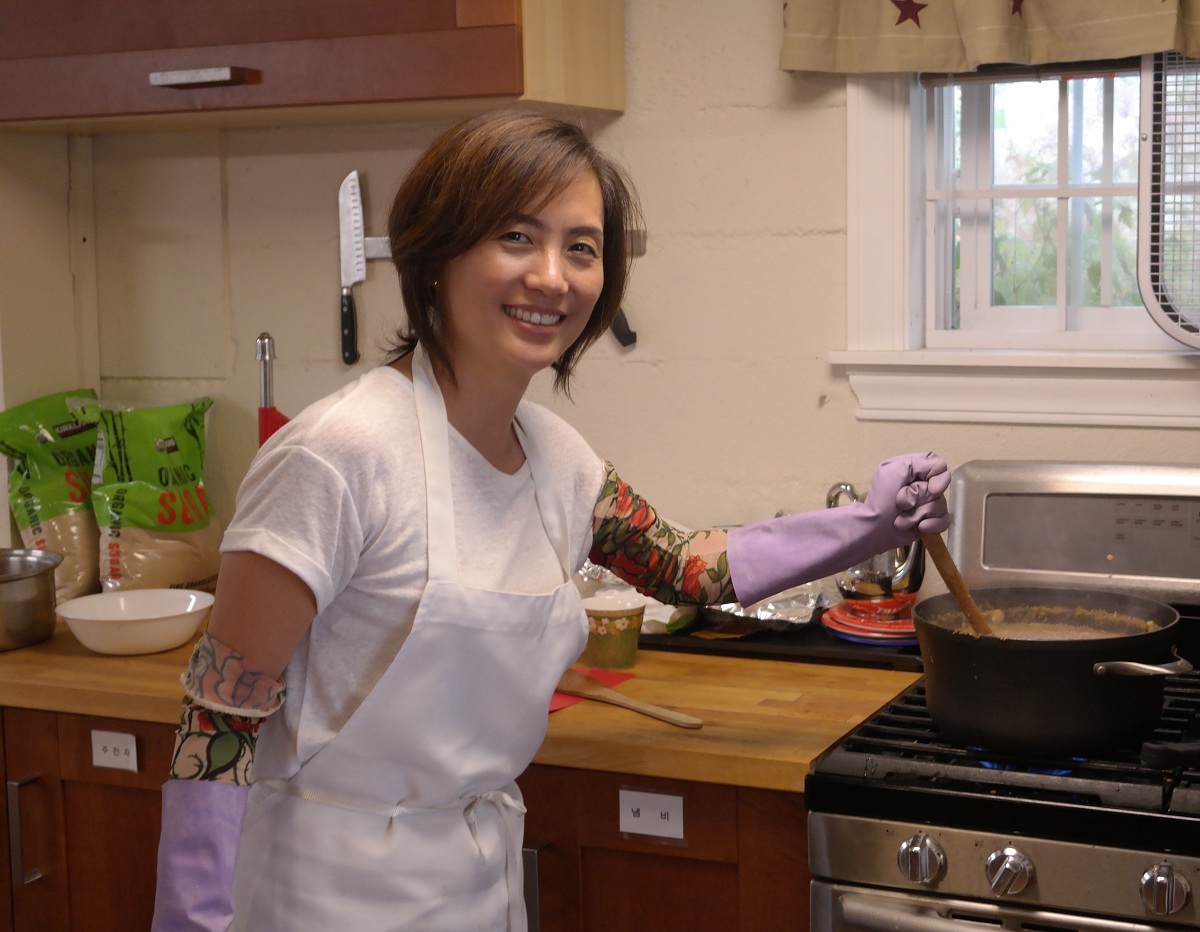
column 764, row 720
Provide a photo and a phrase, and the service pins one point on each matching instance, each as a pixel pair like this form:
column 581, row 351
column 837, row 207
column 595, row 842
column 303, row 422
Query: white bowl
column 136, row 621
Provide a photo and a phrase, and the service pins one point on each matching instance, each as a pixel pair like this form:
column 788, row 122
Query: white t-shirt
column 337, row 496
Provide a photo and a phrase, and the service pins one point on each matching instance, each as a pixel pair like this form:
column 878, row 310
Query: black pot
column 1046, row 698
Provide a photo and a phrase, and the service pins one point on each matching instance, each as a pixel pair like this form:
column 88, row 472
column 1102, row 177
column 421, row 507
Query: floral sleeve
column 224, row 703
column 664, row 562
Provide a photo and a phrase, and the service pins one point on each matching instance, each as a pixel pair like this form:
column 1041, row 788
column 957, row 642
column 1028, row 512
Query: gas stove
column 912, row 831
column 896, row 806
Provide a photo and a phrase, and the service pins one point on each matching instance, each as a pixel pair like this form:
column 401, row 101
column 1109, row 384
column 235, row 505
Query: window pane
column 1102, row 252
column 1025, row 132
column 1126, row 107
column 1024, row 251
column 1103, row 148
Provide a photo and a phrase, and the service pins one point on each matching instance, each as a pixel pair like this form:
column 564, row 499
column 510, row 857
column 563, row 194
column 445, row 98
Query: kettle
column 886, row 575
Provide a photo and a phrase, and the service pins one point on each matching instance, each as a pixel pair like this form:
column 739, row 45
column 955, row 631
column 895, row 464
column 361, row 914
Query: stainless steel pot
column 26, row 596
column 1071, row 697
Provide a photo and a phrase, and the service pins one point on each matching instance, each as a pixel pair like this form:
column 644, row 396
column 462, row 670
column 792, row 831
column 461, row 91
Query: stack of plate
column 873, row 621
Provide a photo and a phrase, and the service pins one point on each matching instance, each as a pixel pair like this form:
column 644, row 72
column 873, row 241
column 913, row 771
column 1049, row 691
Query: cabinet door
column 112, row 818
column 453, row 63
column 39, row 895
column 89, row 834
column 552, row 835
column 36, row 29
column 643, row 883
column 128, row 57
column 5, row 863
column 741, row 865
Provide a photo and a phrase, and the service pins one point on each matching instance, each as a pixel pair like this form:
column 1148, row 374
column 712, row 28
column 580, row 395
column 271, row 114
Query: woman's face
column 516, row 300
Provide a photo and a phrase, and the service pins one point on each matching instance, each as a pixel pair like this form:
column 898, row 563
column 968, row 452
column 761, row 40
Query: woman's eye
column 514, row 236
column 586, row 248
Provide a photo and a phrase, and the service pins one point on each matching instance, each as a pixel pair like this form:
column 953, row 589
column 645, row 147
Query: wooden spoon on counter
column 936, row 548
column 576, row 683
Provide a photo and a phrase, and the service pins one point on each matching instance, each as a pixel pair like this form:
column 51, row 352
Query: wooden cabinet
column 264, row 59
column 741, row 866
column 88, row 840
column 88, row 835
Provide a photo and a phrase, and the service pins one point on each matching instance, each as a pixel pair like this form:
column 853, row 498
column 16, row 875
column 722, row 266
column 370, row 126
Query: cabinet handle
column 199, row 77
column 15, row 854
column 529, row 864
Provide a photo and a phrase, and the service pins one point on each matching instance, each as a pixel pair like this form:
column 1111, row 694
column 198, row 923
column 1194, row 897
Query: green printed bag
column 157, row 528
column 49, row 488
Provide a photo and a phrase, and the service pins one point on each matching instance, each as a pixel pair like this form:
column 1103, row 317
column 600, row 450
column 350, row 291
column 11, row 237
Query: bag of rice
column 157, row 529
column 49, row 489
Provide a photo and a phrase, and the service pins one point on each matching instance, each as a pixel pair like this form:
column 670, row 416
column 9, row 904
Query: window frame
column 895, row 376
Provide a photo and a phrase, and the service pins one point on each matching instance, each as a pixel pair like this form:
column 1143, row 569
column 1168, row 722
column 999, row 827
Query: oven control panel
column 1124, row 527
column 987, row 868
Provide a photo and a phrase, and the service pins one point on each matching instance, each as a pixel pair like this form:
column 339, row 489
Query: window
column 1031, row 194
column 992, row 255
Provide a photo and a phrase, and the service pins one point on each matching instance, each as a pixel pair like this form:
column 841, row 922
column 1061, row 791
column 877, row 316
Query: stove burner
column 1022, row 768
column 902, row 747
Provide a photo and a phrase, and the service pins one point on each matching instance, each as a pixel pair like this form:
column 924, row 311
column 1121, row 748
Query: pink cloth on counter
column 607, row 677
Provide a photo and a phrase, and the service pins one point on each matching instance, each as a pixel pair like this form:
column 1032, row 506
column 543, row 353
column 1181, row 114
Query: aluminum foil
column 787, row 610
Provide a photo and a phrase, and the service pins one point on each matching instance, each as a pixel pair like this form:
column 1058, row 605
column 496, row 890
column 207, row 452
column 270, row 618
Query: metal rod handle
column 15, row 854
column 199, row 77
column 264, row 352
column 863, row 912
column 533, row 899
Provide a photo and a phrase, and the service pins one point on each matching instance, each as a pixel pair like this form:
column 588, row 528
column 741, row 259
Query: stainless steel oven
column 912, row 832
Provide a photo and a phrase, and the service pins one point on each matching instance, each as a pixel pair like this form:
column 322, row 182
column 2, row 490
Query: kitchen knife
column 354, row 261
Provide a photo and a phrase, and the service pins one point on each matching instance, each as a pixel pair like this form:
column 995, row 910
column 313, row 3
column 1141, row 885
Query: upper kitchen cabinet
column 116, row 65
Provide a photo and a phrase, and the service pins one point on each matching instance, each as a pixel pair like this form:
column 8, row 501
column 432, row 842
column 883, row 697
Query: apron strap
column 439, row 497
column 511, row 816
column 550, row 504
column 435, row 446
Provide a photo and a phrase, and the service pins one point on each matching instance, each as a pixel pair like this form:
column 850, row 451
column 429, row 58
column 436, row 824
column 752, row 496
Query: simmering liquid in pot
column 1050, row 623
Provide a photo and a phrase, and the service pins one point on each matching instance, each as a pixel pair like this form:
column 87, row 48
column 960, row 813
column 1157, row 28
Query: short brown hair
column 474, row 178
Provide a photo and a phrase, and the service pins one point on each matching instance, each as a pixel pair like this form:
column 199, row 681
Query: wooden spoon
column 936, row 548
column 576, row 683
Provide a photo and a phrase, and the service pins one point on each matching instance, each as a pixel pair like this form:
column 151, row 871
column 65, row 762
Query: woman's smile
column 540, row 319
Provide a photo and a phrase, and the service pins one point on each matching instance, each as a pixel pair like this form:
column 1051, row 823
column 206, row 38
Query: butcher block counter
column 90, row 739
column 764, row 721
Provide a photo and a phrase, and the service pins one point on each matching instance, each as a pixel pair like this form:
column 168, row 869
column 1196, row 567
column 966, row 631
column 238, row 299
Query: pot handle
column 1132, row 668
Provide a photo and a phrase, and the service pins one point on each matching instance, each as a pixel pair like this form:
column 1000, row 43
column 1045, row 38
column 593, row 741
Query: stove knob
column 1008, row 872
column 921, row 859
column 1164, row 891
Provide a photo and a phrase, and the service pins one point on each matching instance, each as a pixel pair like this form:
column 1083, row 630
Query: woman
column 402, row 556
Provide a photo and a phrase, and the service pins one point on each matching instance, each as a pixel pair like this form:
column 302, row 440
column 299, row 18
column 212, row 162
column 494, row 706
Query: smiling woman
column 402, row 557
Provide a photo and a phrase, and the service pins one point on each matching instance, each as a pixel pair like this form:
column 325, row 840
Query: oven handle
column 873, row 914
column 863, row 912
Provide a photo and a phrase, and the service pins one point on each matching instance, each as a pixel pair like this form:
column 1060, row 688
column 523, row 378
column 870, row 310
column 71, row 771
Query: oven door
column 842, row 908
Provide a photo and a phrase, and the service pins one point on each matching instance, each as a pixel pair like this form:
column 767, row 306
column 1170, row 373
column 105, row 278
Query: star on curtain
column 909, row 10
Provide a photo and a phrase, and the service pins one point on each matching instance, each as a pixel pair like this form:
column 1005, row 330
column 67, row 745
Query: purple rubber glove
column 905, row 500
column 201, row 827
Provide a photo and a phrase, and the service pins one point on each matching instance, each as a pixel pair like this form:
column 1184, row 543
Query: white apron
column 409, row 818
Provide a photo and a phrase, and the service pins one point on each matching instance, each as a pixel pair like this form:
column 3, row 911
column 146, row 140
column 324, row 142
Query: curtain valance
column 960, row 35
